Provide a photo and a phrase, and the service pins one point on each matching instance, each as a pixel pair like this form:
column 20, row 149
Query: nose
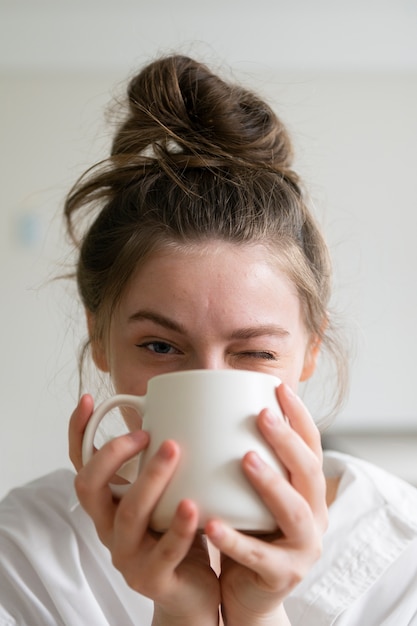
column 210, row 360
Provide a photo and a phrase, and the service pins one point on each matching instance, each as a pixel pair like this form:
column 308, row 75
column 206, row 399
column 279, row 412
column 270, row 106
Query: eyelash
column 146, row 345
column 268, row 356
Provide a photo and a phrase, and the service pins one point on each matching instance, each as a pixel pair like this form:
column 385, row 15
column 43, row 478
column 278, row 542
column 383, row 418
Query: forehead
column 194, row 263
column 214, row 278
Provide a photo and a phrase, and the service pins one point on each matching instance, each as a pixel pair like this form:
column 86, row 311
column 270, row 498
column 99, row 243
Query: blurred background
column 342, row 75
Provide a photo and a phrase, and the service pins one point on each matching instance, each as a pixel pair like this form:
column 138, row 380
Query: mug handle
column 129, row 470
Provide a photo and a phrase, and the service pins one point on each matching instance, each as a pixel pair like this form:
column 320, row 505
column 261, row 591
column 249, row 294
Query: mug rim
column 212, row 373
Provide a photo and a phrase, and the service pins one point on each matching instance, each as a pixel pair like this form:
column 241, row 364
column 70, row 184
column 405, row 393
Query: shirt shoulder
column 54, row 570
column 374, row 487
column 47, row 499
column 59, row 484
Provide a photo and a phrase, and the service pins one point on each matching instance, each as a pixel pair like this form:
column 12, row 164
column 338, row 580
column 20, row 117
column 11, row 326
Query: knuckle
column 295, row 577
column 315, row 436
column 254, row 558
column 314, row 467
column 156, row 472
column 170, row 553
column 287, row 434
column 113, row 446
column 298, row 513
column 316, row 548
column 269, row 479
column 118, row 447
column 126, row 516
column 315, row 552
column 82, row 486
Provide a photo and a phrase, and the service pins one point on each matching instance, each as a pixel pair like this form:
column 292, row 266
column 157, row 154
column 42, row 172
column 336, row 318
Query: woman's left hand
column 258, row 574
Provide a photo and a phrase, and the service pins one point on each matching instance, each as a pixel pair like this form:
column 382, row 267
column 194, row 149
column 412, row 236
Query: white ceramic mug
column 212, row 416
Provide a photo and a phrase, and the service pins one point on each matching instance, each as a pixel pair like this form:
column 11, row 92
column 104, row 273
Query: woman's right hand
column 172, row 569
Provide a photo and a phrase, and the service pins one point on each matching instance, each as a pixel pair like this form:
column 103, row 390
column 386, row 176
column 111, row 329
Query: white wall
column 353, row 116
column 47, row 126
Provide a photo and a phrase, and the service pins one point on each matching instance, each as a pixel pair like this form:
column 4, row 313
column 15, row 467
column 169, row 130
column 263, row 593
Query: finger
column 304, row 467
column 299, row 418
column 92, row 481
column 137, row 506
column 291, row 511
column 267, row 561
column 257, row 556
column 175, row 544
column 76, row 428
column 151, row 568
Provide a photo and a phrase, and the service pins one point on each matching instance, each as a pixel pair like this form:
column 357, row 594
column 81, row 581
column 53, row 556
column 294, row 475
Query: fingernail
column 138, row 436
column 186, row 509
column 255, row 462
column 214, row 530
column 290, row 392
column 270, row 418
column 166, row 451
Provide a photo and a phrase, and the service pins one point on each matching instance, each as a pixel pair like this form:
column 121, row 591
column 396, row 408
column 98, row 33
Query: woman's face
column 217, row 306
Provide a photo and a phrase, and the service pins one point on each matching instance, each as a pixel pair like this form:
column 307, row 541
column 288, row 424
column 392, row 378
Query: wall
column 355, row 135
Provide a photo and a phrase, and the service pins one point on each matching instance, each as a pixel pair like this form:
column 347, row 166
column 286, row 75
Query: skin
column 218, row 306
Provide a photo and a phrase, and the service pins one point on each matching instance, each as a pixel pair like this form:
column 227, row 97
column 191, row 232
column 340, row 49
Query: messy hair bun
column 189, row 116
column 196, row 158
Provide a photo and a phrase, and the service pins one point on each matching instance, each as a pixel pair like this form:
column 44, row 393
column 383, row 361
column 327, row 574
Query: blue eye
column 158, row 347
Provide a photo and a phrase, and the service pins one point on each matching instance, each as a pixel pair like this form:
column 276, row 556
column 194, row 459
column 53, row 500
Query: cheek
column 292, row 379
column 130, row 383
column 132, row 420
column 300, row 367
column 124, row 373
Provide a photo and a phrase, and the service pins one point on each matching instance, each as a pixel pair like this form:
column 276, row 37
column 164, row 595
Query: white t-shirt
column 55, row 571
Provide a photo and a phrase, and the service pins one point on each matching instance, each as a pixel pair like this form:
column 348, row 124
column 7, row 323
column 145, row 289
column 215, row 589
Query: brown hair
column 196, row 158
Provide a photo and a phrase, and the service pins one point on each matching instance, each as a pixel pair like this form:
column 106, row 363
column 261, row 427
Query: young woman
column 202, row 253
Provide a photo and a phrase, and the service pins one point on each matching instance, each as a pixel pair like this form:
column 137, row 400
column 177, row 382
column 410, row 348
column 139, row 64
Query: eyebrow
column 249, row 332
column 260, row 331
column 157, row 318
